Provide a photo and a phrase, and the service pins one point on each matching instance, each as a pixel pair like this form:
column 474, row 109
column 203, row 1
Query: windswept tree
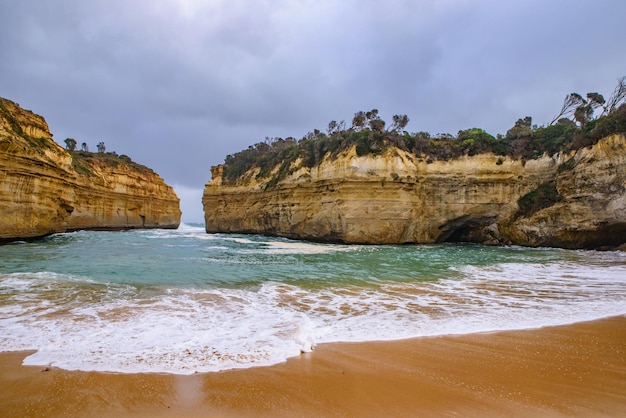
column 377, row 125
column 312, row 136
column 617, row 98
column 582, row 110
column 595, row 100
column 70, row 144
column 335, row 127
column 332, row 127
column 374, row 121
column 399, row 123
column 570, row 104
column 583, row 114
column 359, row 120
column 368, row 120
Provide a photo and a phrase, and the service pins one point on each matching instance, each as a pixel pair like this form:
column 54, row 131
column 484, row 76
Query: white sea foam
column 183, row 227
column 81, row 325
column 299, row 247
column 239, row 240
column 181, row 231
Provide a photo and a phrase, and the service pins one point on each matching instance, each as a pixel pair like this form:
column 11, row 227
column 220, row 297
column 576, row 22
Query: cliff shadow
column 470, row 228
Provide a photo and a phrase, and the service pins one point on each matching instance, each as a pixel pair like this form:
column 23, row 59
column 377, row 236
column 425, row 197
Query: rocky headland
column 46, row 189
column 571, row 199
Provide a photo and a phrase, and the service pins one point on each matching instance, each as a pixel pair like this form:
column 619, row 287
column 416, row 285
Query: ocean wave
column 181, row 301
column 75, row 324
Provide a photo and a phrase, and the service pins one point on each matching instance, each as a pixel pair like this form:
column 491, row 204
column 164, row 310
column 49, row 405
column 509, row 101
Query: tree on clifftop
column 70, row 144
column 617, row 98
column 582, row 110
column 570, row 104
column 368, row 120
column 399, row 123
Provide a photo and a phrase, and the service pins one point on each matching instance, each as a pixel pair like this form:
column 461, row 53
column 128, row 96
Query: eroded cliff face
column 591, row 212
column 398, row 198
column 45, row 189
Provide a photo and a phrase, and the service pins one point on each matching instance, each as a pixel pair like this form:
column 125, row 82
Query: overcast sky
column 179, row 84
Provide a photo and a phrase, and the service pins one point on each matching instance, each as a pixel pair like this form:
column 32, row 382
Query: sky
column 178, row 85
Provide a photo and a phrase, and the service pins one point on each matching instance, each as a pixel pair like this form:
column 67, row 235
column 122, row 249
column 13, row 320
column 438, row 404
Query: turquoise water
column 182, row 301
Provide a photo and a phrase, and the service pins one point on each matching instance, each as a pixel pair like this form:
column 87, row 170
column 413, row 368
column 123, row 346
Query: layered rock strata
column 399, row 198
column 46, row 189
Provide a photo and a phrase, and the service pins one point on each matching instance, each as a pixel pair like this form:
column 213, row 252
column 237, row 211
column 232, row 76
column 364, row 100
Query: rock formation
column 46, row 189
column 397, row 198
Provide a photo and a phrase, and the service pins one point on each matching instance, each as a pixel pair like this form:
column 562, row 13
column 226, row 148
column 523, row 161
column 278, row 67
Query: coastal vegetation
column 581, row 122
column 83, row 161
column 8, row 116
column 544, row 196
column 36, row 143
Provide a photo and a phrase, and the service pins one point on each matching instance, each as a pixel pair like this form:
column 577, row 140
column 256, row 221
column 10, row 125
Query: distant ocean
column 184, row 301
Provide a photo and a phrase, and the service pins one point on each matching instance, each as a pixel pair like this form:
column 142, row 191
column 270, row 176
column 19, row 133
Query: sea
column 184, row 301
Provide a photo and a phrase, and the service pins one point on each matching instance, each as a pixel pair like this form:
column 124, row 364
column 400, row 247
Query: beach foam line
column 119, row 328
column 573, row 370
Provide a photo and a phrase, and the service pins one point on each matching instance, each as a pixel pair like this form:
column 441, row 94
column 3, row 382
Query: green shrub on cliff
column 597, row 129
column 83, row 161
column 4, row 113
column 475, row 141
column 544, row 196
column 37, row 144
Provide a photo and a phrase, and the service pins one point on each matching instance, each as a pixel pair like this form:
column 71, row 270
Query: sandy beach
column 573, row 370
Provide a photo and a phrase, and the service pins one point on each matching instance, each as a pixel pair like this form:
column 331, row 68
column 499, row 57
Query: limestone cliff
column 591, row 208
column 45, row 189
column 398, row 198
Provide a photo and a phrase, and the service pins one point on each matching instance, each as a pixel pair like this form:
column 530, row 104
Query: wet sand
column 574, row 370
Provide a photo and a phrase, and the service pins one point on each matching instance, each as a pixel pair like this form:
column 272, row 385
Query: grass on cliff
column 544, row 196
column 38, row 144
column 83, row 162
column 5, row 114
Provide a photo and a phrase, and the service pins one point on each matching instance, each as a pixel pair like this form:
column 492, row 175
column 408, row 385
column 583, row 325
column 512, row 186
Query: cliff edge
column 46, row 189
column 573, row 199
